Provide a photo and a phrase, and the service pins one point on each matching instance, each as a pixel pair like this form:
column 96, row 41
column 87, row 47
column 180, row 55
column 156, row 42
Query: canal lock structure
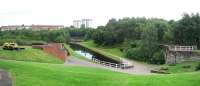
column 96, row 57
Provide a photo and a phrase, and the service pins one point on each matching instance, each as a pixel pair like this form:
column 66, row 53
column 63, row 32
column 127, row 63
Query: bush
column 160, row 71
column 198, row 67
column 158, row 58
column 164, row 68
column 134, row 53
column 187, row 66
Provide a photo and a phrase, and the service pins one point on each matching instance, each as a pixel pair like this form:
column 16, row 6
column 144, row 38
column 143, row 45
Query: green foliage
column 158, row 57
column 134, row 53
column 27, row 37
column 198, row 67
column 79, row 32
column 147, row 49
column 187, row 30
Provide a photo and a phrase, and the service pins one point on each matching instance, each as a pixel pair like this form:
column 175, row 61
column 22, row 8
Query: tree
column 187, row 30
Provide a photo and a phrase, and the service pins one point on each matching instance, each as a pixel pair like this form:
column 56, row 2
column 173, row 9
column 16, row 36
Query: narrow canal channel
column 90, row 54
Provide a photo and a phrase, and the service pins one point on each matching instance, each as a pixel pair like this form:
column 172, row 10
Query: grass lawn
column 179, row 68
column 113, row 52
column 45, row 74
column 29, row 54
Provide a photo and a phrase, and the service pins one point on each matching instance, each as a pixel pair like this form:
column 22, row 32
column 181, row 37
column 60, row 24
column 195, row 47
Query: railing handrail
column 109, row 63
column 181, row 48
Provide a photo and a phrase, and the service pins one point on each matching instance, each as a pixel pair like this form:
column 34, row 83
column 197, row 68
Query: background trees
column 27, row 37
column 187, row 30
column 140, row 38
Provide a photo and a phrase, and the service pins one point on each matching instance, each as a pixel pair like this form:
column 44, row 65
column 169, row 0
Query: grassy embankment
column 29, row 54
column 45, row 74
column 112, row 52
column 189, row 66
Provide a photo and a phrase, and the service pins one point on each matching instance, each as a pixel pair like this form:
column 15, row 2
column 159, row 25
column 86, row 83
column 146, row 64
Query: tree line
column 141, row 38
column 28, row 37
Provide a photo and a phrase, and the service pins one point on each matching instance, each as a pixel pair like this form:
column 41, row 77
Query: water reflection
column 89, row 54
column 85, row 54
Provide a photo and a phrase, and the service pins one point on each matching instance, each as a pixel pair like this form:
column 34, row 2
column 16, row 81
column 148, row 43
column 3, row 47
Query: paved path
column 139, row 68
column 5, row 79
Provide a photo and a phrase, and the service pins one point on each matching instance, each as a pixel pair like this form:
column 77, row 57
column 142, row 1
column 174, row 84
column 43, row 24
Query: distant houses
column 31, row 27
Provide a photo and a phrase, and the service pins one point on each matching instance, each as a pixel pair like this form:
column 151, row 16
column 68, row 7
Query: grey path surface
column 139, row 68
column 5, row 79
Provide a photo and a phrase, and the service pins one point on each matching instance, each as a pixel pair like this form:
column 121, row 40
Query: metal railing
column 181, row 48
column 109, row 64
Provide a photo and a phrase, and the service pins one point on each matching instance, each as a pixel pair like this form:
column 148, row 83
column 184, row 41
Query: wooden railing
column 114, row 65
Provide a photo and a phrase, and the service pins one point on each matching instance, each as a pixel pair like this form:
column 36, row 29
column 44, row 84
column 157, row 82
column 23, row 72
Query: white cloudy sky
column 65, row 11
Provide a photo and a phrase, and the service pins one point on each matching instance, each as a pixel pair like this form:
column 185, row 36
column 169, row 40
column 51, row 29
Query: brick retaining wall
column 56, row 49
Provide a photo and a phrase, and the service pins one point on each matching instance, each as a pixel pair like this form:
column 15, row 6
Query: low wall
column 178, row 57
column 56, row 49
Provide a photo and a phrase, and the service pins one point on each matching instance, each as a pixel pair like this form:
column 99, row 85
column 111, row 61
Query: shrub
column 164, row 68
column 134, row 53
column 198, row 67
column 187, row 66
column 159, row 71
column 158, row 58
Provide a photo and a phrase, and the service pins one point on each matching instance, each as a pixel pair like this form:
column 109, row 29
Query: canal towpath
column 139, row 68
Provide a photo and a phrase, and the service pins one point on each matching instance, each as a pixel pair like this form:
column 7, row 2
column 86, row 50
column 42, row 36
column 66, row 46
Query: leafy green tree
column 187, row 30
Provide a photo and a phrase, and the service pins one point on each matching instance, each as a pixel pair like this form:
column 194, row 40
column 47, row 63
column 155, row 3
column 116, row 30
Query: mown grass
column 113, row 52
column 188, row 66
column 29, row 54
column 45, row 74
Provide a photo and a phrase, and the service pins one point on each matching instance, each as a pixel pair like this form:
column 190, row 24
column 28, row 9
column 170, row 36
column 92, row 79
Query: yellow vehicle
column 10, row 46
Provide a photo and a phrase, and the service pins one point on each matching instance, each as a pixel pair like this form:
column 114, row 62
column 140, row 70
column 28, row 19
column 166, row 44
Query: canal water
column 90, row 54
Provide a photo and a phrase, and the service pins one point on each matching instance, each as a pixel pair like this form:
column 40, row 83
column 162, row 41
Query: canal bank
column 90, row 53
column 79, row 60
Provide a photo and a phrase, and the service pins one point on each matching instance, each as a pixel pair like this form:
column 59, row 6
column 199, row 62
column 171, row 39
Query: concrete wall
column 172, row 57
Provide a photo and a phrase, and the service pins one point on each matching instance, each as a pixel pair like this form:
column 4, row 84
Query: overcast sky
column 63, row 12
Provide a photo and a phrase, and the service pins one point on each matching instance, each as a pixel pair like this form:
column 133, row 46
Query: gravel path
column 139, row 68
column 5, row 79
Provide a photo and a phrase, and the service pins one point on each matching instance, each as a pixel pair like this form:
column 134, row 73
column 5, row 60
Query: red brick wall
column 55, row 49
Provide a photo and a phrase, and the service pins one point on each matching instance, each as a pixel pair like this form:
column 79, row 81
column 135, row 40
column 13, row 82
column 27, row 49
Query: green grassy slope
column 188, row 66
column 44, row 74
column 29, row 54
column 113, row 52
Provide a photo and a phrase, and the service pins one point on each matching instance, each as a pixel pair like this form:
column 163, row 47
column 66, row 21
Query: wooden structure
column 56, row 49
column 176, row 54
